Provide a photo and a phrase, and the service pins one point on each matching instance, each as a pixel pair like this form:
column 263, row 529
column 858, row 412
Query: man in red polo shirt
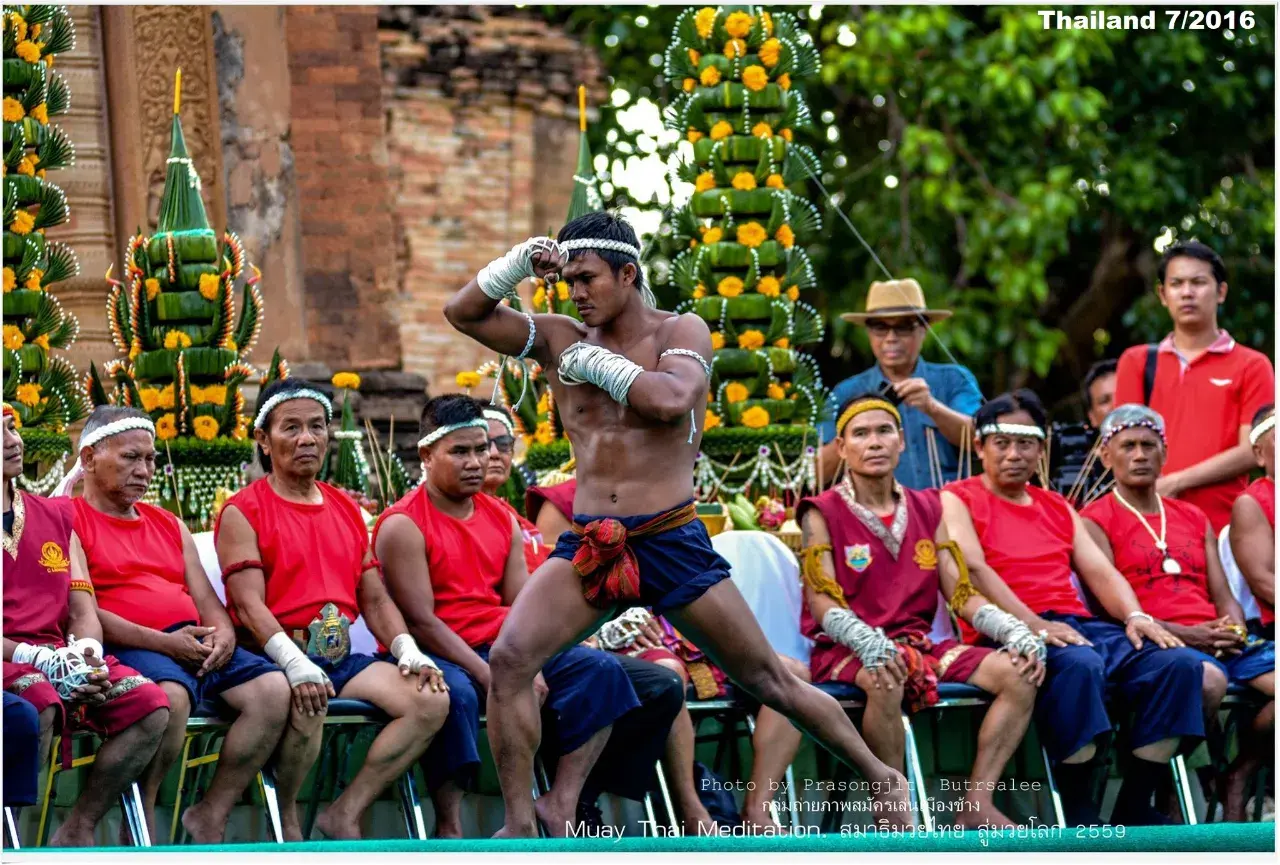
column 1206, row 386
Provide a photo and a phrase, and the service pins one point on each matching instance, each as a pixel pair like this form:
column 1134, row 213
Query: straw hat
column 897, row 297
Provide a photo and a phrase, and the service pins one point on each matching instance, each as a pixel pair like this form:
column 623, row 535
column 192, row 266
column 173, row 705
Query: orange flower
column 769, row 286
column 13, row 111
column 736, row 392
column 755, row 78
column 33, row 279
column 166, row 427
column 769, row 52
column 699, row 292
column 206, row 427
column 730, row 286
column 694, row 136
column 722, row 129
column 784, row 236
column 752, row 234
column 706, row 180
column 738, row 24
column 208, row 286
column 717, row 340
column 755, row 417
column 28, row 51
column 694, row 56
column 735, row 48
column 775, row 182
column 705, row 21
column 710, row 76
column 41, row 113
column 751, row 340
column 794, row 292
column 776, row 392
column 153, row 288
column 744, row 180
column 689, row 84
column 22, row 223
column 782, row 342
column 766, row 23
column 784, row 81
column 786, row 134
column 712, row 235
column 710, row 421
column 762, row 130
column 10, row 280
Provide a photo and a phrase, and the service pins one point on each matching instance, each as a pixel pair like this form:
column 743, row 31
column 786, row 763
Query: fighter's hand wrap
column 405, row 650
column 1012, row 634
column 582, row 363
column 499, row 278
column 37, row 656
column 297, row 667
column 871, row 645
column 85, row 643
column 621, row 633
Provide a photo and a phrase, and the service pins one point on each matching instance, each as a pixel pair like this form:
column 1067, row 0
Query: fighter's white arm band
column 1009, row 632
column 499, row 278
column 297, row 667
column 583, row 363
column 405, row 650
column 871, row 645
column 36, row 656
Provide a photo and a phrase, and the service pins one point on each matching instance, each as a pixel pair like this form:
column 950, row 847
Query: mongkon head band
column 1265, row 426
column 1010, row 429
column 284, row 396
column 569, row 246
column 1130, row 416
column 440, row 432
column 865, row 405
column 91, row 438
column 493, row 414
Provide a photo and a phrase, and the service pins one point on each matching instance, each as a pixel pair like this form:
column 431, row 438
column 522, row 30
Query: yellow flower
column 230, row 345
column 786, row 134
column 467, row 380
column 13, row 110
column 705, row 21
column 177, row 339
column 694, row 136
column 699, row 292
column 10, row 280
column 135, row 349
column 166, row 427
column 543, row 434
column 27, row 167
column 751, row 340
column 540, row 298
column 35, row 30
column 153, row 288
column 217, row 393
column 784, row 236
column 28, row 51
column 784, row 81
column 706, row 180
column 782, row 342
column 713, row 235
column 208, row 285
column 735, row 48
column 42, row 340
column 762, row 130
column 206, row 428
column 730, row 286
column 766, row 23
column 41, row 173
column 241, row 432
column 754, row 78
column 769, row 52
column 166, row 396
column 694, row 56
column 688, row 84
column 544, row 402
column 769, row 286
column 33, row 279
column 13, row 338
column 29, row 394
column 717, row 341
column 23, row 222
column 19, row 26
column 794, row 292
column 48, row 60
column 41, row 113
column 722, row 129
column 710, row 76
column 751, row 234
column 347, row 380
column 710, row 421
column 562, row 291
column 775, row 182
column 736, row 392
column 150, row 398
column 776, row 391
column 755, row 417
column 744, row 180
column 738, row 24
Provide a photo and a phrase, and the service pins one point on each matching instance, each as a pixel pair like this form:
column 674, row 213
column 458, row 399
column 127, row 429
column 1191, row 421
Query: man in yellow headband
column 872, row 580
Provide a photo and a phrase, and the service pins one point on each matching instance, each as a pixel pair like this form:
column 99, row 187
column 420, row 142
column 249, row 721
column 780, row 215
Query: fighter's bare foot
column 975, row 814
column 554, row 816
column 73, row 834
column 1233, row 806
column 447, row 831
column 290, row 828
column 891, row 800
column 338, row 825
column 204, row 826
column 509, row 831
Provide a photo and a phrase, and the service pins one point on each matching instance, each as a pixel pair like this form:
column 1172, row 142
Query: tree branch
column 976, row 165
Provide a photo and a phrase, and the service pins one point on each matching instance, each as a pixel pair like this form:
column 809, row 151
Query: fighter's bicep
column 960, row 528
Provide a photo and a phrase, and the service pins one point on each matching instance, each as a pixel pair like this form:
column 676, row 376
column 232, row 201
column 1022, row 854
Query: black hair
column 106, row 414
column 280, row 385
column 1007, row 403
column 1197, row 250
column 449, row 409
column 1262, row 413
column 601, row 225
column 863, row 397
column 1103, row 367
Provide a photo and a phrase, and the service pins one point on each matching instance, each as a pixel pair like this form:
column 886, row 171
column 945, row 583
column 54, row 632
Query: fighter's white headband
column 284, row 396
column 125, row 424
column 569, row 246
column 501, row 418
column 440, row 432
column 1262, row 429
column 1010, row 429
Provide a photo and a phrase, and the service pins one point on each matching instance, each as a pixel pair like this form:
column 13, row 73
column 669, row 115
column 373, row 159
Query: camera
column 1070, row 445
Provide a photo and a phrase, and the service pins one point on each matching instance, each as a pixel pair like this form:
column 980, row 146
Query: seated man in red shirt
column 1253, row 522
column 1168, row 552
column 454, row 561
column 298, row 570
column 161, row 616
column 48, row 604
column 1021, row 544
column 872, row 576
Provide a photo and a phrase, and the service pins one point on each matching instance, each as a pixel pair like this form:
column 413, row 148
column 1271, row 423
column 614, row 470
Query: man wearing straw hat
column 937, row 400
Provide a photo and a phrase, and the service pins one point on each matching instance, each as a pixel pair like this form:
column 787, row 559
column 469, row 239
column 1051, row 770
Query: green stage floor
column 1218, row 838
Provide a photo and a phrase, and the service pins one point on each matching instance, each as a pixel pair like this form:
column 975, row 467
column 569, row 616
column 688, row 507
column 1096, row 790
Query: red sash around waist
column 608, row 568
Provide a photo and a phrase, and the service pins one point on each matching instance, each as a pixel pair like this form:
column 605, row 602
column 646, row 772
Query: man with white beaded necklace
column 630, row 382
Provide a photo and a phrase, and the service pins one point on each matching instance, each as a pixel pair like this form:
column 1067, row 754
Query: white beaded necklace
column 1170, row 565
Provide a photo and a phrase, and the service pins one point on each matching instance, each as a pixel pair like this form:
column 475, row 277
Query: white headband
column 1262, row 429
column 285, row 396
column 1012, row 429
column 591, row 243
column 501, row 418
column 116, row 427
column 440, row 432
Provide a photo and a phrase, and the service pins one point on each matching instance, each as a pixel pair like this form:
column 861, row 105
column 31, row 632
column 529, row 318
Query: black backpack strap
column 1149, row 372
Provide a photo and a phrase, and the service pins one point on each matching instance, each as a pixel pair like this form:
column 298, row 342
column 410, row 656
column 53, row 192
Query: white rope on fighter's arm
column 582, row 363
column 871, row 645
column 1011, row 633
column 499, row 278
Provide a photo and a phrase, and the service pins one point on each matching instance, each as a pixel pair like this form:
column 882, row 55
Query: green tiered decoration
column 184, row 352
column 348, row 466
column 44, row 390
column 743, row 265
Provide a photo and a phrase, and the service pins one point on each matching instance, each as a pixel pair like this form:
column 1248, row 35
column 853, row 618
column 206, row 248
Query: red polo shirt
column 1204, row 403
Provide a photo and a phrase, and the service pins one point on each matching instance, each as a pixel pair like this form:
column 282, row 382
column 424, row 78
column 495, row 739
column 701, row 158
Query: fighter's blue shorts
column 1253, row 662
column 676, row 566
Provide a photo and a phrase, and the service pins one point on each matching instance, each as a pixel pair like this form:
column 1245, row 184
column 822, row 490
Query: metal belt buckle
column 330, row 635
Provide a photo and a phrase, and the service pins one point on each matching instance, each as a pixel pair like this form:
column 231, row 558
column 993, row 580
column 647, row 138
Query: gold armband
column 816, row 578
column 82, row 586
column 964, row 589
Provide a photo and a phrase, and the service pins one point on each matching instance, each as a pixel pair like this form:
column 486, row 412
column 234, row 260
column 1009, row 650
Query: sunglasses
column 882, row 328
column 504, row 444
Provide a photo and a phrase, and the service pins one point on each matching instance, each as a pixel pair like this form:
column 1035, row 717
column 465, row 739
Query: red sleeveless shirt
column 312, row 555
column 559, row 497
column 1029, row 546
column 467, row 559
column 137, row 566
column 37, row 583
column 1263, row 491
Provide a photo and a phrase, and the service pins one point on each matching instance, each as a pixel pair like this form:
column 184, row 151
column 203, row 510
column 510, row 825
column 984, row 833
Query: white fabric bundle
column 499, row 278
column 582, row 363
column 1009, row 632
column 621, row 632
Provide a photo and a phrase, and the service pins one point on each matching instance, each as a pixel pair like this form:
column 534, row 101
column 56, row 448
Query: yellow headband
column 865, row 405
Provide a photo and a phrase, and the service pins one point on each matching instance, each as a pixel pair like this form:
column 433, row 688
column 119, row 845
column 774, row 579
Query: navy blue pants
column 1163, row 687
column 1253, row 662
column 587, row 691
column 21, row 751
column 676, row 566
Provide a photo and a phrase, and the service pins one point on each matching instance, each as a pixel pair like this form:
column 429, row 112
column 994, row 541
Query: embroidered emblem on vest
column 330, row 635
column 926, row 555
column 858, row 557
column 54, row 559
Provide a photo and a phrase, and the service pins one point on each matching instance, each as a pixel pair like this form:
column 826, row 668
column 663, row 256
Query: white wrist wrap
column 622, row 632
column 405, row 650
column 499, row 278
column 1009, row 632
column 871, row 645
column 297, row 667
column 583, row 363
column 85, row 643
column 36, row 656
